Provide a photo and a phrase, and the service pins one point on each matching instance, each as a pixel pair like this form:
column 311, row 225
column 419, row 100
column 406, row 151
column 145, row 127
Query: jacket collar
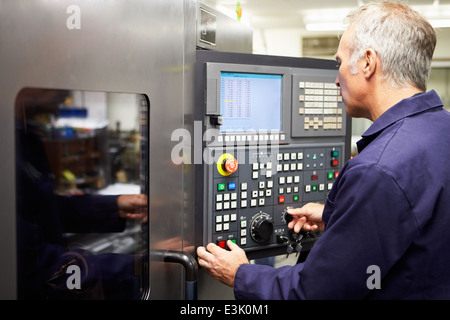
column 418, row 103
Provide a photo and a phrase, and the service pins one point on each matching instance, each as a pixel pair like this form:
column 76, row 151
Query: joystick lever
column 294, row 243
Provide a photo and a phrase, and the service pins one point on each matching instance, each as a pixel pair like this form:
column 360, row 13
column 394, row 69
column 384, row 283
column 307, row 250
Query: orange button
column 231, row 165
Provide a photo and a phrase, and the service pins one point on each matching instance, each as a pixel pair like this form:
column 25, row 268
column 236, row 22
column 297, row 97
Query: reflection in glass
column 82, row 189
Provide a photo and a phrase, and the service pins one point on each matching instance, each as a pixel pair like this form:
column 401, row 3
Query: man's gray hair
column 403, row 39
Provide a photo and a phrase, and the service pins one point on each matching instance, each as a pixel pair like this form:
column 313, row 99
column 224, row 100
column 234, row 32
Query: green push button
column 314, row 188
column 330, row 175
column 220, row 186
column 295, row 197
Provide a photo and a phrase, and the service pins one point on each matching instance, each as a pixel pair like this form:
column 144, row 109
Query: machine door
column 82, row 189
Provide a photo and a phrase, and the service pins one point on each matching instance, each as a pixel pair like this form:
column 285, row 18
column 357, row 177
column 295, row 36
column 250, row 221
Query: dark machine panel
column 244, row 204
column 276, row 138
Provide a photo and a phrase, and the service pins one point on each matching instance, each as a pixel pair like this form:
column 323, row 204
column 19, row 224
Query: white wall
column 288, row 42
column 123, row 108
column 279, row 42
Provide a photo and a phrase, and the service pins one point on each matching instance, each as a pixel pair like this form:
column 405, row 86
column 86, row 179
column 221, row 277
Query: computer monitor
column 250, row 102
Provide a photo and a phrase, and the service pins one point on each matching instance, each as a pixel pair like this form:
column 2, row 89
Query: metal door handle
column 187, row 261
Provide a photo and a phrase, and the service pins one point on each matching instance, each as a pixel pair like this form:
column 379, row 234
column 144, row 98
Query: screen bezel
column 213, row 81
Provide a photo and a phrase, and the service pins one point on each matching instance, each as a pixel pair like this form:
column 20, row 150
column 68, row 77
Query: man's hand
column 133, row 206
column 309, row 217
column 220, row 263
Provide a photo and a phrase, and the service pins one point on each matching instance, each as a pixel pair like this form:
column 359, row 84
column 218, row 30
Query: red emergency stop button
column 227, row 164
column 231, row 165
column 222, row 244
column 334, row 163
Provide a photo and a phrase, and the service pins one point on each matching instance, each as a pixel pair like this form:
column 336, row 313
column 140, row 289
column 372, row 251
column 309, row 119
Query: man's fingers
column 297, row 224
column 204, row 257
column 202, row 263
column 203, row 254
column 232, row 246
column 213, row 248
column 296, row 211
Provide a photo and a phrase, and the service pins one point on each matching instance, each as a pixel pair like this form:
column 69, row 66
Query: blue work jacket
column 387, row 218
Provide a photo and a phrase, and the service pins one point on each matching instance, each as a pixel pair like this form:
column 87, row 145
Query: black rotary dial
column 261, row 227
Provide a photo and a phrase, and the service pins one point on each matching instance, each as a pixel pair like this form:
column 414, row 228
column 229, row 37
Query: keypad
column 268, row 182
column 319, row 104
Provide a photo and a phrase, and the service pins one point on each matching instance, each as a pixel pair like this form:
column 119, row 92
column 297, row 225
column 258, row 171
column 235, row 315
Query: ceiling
column 279, row 25
column 288, row 14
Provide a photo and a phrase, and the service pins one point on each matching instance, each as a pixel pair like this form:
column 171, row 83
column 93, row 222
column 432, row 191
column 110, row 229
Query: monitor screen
column 250, row 102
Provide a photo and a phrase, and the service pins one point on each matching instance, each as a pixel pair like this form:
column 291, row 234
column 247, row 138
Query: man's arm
column 370, row 224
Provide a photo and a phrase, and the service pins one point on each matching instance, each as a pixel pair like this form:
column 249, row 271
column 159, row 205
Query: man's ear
column 369, row 63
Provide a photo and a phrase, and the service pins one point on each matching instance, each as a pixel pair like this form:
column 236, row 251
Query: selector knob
column 261, row 227
column 285, row 216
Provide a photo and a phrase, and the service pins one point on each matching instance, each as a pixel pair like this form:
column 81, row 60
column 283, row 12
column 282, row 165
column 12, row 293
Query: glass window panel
column 82, row 190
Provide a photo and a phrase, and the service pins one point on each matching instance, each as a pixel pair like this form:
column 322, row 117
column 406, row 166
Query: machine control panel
column 278, row 137
column 248, row 206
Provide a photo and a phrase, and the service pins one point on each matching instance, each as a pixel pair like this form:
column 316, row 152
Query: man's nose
column 336, row 82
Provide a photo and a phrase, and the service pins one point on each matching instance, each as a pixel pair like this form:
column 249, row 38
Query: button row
column 223, row 186
column 313, row 120
column 286, row 167
column 257, row 196
column 243, row 231
column 253, row 202
column 314, row 187
column 326, row 123
column 319, row 98
column 254, row 137
column 316, row 85
column 320, row 105
column 290, row 156
column 319, row 112
column 295, row 197
column 257, row 193
column 328, row 92
column 288, row 190
column 288, row 179
column 332, row 175
column 223, row 243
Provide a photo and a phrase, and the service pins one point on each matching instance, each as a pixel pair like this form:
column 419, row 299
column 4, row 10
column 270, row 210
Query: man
column 386, row 221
